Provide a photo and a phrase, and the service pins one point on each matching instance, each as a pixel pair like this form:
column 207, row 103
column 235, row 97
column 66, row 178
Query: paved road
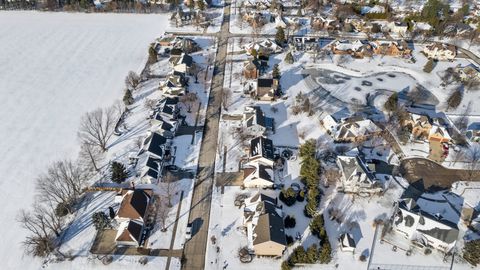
column 195, row 248
column 343, row 36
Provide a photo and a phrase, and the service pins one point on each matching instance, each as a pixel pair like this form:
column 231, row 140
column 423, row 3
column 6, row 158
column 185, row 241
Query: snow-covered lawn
column 53, row 68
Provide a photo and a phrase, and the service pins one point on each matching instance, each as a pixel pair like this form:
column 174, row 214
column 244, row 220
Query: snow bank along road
column 53, row 68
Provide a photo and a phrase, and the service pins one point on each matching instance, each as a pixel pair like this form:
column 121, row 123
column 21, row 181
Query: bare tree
column 169, row 187
column 62, row 183
column 473, row 159
column 90, row 156
column 163, row 212
column 417, row 94
column 43, row 225
column 343, row 59
column 132, row 80
column 97, row 127
column 189, row 100
column 150, row 104
column 226, row 96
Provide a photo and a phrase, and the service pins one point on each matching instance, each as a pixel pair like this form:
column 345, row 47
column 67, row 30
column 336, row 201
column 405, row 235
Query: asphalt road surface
column 195, row 248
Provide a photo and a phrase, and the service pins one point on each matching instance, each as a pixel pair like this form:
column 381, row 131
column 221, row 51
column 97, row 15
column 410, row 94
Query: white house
column 173, row 85
column 355, row 130
column 263, row 47
column 261, row 150
column 330, row 124
column 182, row 63
column 258, row 175
column 440, row 51
column 398, row 28
column 255, row 122
column 424, row 228
column 468, row 72
column 357, row 176
column 347, row 243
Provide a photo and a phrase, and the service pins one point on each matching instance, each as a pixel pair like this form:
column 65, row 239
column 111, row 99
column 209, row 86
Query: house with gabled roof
column 354, row 131
column 134, row 204
column 129, row 233
column 261, row 150
column 258, row 175
column 174, row 84
column 426, row 229
column 263, row 220
column 266, row 89
column 255, row 122
column 182, row 63
column 251, row 69
column 263, row 47
column 357, row 176
column 392, row 48
column 440, row 51
column 468, row 72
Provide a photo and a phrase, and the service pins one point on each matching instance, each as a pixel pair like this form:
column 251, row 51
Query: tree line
column 89, row 5
column 60, row 187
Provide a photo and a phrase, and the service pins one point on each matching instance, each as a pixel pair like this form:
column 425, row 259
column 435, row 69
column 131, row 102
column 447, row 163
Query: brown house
column 251, row 69
column 266, row 89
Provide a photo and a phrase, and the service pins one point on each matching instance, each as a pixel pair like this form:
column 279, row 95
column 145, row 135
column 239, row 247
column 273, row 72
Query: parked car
column 188, row 232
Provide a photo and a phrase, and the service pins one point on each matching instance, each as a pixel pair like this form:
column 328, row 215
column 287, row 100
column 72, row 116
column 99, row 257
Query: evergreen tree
column 289, row 58
column 325, row 253
column 392, row 103
column 119, row 172
column 201, row 5
column 276, row 72
column 429, row 66
column 455, row 99
column 128, row 98
column 280, row 36
column 471, row 252
column 100, row 220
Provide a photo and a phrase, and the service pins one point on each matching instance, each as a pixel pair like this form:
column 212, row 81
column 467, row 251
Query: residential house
column 330, row 124
column 187, row 45
column 420, row 126
column 357, row 176
column 261, row 150
column 473, row 132
column 398, row 28
column 458, row 30
column 166, row 109
column 164, row 127
column 266, row 89
column 357, row 48
column 182, row 63
column 305, row 44
column 154, row 153
column 440, row 51
column 258, row 175
column 255, row 122
column 355, row 131
column 468, row 72
column 436, row 230
column 347, row 243
column 439, row 134
column 422, row 27
column 263, row 47
column 393, row 48
column 134, row 204
column 251, row 69
column 129, row 233
column 174, row 84
column 263, row 221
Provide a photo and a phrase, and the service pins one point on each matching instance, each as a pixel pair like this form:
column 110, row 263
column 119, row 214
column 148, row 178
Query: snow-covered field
column 53, row 68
